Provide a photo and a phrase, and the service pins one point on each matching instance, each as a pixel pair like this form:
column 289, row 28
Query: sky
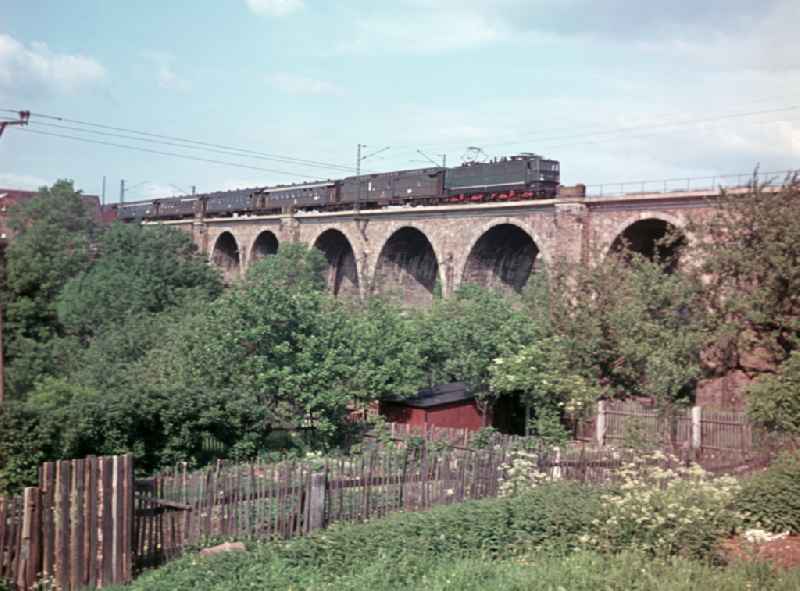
column 616, row 91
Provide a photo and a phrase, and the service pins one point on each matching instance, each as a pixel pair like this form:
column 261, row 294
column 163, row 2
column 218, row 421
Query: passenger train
column 514, row 178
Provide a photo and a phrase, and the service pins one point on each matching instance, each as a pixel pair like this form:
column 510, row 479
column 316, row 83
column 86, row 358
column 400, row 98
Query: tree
column 629, row 325
column 139, row 269
column 774, row 400
column 385, row 355
column 53, row 236
column 748, row 252
column 542, row 375
column 461, row 336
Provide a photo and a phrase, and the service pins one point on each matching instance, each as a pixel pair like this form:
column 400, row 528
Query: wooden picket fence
column 181, row 508
column 707, row 431
column 89, row 524
column 73, row 531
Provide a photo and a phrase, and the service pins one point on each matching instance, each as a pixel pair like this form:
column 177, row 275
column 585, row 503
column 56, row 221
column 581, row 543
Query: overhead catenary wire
column 158, row 136
column 238, row 153
column 163, row 153
column 615, row 131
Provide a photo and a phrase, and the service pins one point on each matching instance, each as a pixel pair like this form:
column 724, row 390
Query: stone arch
column 502, row 257
column 265, row 244
column 542, row 257
column 342, row 273
column 642, row 236
column 226, row 256
column 408, row 267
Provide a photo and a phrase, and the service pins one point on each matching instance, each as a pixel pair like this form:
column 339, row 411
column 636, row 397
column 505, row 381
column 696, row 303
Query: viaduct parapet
column 416, row 251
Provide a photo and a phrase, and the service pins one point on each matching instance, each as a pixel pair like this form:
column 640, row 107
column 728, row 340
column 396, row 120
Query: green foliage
column 385, row 353
column 542, row 375
column 631, row 324
column 664, row 509
column 750, row 256
column 54, row 231
column 141, row 269
column 774, row 400
column 578, row 571
column 771, row 499
column 461, row 335
column 518, row 543
column 20, row 447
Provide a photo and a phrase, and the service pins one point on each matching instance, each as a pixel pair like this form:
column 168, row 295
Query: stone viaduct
column 415, row 251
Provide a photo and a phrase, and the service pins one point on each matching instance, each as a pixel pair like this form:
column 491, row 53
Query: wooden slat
column 76, row 542
column 3, row 532
column 62, row 552
column 47, row 483
column 107, row 528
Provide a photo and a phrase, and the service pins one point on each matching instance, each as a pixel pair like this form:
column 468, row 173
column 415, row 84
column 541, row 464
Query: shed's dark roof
column 438, row 395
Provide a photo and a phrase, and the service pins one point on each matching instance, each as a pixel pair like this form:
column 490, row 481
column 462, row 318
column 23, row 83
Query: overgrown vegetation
column 533, row 540
column 121, row 339
column 771, row 499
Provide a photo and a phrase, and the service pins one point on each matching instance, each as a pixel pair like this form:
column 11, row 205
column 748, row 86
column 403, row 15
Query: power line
column 282, row 158
column 637, row 136
column 162, row 153
column 679, row 123
column 618, row 130
column 187, row 146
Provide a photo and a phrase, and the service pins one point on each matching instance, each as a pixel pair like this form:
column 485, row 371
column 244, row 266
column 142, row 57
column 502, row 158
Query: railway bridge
column 414, row 252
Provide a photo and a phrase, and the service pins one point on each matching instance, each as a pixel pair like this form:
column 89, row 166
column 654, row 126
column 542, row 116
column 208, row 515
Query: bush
column 666, row 511
column 555, row 515
column 773, row 402
column 398, row 549
column 771, row 500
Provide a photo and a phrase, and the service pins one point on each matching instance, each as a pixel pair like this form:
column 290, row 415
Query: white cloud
column 274, row 7
column 165, row 74
column 10, row 180
column 426, row 31
column 33, row 69
column 302, row 85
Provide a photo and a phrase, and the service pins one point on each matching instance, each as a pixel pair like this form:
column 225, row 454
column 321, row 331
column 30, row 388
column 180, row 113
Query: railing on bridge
column 681, row 185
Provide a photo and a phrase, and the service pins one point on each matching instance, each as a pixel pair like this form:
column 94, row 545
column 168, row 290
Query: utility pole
column 359, row 160
column 103, row 198
column 358, row 178
column 194, row 189
column 22, row 120
column 24, row 116
column 122, row 190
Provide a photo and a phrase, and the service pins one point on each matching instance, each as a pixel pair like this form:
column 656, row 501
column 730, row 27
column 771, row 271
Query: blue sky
column 614, row 90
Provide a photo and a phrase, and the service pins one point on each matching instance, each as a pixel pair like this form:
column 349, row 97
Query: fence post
column 697, row 427
column 316, row 502
column 29, row 560
column 556, row 474
column 600, row 425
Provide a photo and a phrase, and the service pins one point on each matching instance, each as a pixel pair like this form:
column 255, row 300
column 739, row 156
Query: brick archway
column 541, row 255
column 226, row 255
column 343, row 276
column 408, row 266
column 265, row 244
column 606, row 244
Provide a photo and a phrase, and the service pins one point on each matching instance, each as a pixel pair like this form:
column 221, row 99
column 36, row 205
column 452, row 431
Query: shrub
column 520, row 474
column 771, row 500
column 555, row 515
column 665, row 510
column 773, row 400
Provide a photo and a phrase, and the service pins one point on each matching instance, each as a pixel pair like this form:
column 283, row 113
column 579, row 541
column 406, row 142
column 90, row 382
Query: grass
column 527, row 542
column 577, row 571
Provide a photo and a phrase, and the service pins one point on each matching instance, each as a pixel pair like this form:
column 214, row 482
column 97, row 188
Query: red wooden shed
column 444, row 405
